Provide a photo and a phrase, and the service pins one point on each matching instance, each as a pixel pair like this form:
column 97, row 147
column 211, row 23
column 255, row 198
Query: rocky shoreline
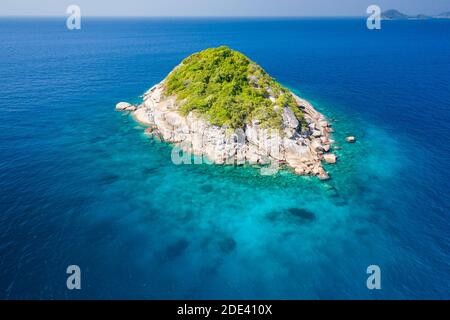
column 303, row 150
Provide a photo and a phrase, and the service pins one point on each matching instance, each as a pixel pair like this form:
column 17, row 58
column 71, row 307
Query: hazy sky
column 218, row 7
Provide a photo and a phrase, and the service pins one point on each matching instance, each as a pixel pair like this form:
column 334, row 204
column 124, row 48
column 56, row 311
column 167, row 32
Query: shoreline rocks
column 329, row 158
column 125, row 106
column 300, row 148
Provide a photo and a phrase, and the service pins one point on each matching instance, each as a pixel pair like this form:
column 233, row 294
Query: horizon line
column 184, row 16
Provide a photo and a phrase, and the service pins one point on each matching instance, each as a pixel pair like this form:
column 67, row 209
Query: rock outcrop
column 125, row 106
column 299, row 149
column 329, row 158
column 223, row 107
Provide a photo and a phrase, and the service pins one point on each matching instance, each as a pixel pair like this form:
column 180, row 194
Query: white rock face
column 301, row 150
column 329, row 158
column 125, row 106
column 121, row 106
column 289, row 118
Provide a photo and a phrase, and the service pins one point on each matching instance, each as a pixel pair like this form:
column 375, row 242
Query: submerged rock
column 176, row 248
column 206, row 188
column 302, row 214
column 227, row 245
column 298, row 215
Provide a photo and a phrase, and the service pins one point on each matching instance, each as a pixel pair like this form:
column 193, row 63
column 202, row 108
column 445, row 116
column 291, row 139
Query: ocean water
column 81, row 184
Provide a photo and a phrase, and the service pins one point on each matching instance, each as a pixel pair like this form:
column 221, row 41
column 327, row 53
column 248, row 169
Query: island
column 220, row 105
column 397, row 15
column 444, row 15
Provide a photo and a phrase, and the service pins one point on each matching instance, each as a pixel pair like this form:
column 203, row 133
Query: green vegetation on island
column 229, row 89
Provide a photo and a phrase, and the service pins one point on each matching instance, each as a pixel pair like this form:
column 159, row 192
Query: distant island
column 397, row 15
column 221, row 105
column 445, row 15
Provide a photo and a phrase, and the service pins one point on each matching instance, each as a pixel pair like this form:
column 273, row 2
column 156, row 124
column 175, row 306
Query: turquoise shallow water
column 81, row 184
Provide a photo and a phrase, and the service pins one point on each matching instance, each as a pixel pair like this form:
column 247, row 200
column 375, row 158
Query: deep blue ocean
column 81, row 184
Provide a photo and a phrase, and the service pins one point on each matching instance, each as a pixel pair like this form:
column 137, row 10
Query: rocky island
column 220, row 105
column 397, row 15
